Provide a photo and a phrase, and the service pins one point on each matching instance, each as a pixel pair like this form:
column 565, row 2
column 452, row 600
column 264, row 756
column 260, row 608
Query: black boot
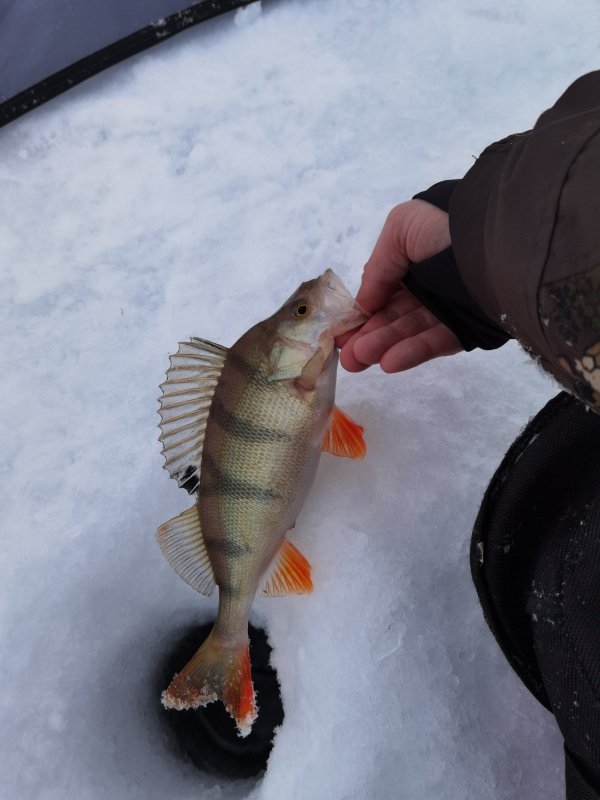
column 535, row 560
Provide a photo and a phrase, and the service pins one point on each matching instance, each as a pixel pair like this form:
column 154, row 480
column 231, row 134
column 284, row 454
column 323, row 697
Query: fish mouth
column 356, row 317
column 332, row 283
column 342, row 310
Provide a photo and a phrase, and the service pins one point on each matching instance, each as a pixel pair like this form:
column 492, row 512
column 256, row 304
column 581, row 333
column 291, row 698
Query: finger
column 375, row 292
column 370, row 347
column 349, row 361
column 348, row 358
column 340, row 341
column 387, row 265
column 432, row 343
column 401, row 304
column 413, row 231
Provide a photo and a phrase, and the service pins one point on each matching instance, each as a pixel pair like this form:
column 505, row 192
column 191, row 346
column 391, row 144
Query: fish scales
column 244, row 428
column 265, row 440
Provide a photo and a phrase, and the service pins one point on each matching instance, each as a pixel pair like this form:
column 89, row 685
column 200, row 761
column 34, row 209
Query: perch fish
column 243, row 430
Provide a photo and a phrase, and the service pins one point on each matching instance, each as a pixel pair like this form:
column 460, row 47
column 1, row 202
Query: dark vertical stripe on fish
column 230, row 590
column 252, row 372
column 222, row 483
column 231, row 548
column 239, row 362
column 243, row 428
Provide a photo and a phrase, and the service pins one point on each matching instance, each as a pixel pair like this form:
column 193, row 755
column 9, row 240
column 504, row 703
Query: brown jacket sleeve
column 525, row 228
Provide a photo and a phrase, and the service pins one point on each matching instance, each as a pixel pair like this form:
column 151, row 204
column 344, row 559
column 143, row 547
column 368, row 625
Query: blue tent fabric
column 48, row 46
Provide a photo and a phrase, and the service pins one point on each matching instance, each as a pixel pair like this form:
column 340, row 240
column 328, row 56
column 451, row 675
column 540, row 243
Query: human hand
column 402, row 332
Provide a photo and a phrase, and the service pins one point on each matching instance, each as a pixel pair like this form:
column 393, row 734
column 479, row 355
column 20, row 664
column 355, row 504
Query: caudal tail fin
column 216, row 672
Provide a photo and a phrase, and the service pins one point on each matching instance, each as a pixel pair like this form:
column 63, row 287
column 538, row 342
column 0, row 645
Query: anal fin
column 343, row 436
column 181, row 542
column 288, row 573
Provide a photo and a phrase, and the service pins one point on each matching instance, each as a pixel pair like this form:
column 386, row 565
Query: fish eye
column 300, row 309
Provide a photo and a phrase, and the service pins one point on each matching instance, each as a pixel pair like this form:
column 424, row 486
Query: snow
column 187, row 192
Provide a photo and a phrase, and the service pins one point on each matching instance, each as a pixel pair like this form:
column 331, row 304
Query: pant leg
column 577, row 787
column 535, row 561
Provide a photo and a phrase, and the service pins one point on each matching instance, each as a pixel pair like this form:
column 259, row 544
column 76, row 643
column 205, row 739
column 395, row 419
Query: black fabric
column 577, row 786
column 438, row 195
column 436, row 282
column 48, row 47
column 535, row 560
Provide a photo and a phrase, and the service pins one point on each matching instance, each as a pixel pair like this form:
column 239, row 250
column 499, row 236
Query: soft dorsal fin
column 186, row 397
column 181, row 542
column 288, row 573
column 343, row 436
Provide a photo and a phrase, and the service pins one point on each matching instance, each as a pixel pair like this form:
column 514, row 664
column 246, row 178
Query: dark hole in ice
column 208, row 736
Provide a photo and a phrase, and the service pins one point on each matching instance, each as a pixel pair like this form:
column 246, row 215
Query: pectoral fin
column 343, row 436
column 288, row 573
column 311, row 371
column 181, row 542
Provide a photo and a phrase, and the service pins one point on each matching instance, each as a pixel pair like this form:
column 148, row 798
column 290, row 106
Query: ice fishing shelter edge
column 46, row 48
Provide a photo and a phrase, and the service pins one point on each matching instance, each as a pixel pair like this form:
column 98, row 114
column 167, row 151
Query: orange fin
column 288, row 573
column 216, row 672
column 343, row 436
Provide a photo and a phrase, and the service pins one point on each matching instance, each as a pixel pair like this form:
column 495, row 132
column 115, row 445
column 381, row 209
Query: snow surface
column 187, row 192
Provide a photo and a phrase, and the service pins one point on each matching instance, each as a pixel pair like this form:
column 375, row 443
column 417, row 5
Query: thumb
column 387, row 265
column 413, row 231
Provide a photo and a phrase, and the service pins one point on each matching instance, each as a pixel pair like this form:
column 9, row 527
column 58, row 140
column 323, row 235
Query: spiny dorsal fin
column 186, row 397
column 288, row 573
column 181, row 542
column 343, row 436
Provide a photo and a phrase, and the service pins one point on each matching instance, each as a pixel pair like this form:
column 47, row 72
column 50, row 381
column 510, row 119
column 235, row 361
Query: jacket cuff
column 438, row 195
column 436, row 282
